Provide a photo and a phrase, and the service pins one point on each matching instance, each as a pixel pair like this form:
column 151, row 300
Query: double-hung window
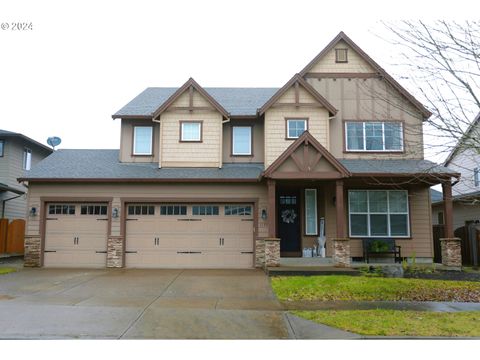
column 295, row 128
column 27, row 159
column 191, row 131
column 374, row 136
column 241, row 140
column 378, row 213
column 142, row 140
column 476, row 177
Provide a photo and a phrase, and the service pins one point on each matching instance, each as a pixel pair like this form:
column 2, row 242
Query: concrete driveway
column 139, row 304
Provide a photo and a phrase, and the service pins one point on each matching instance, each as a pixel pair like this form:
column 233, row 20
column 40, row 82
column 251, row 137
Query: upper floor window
column 341, row 55
column 27, row 159
column 142, row 140
column 191, row 131
column 295, row 128
column 2, row 146
column 241, row 140
column 476, row 176
column 373, row 136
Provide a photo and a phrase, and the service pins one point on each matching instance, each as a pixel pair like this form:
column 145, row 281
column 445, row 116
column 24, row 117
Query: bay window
column 373, row 136
column 378, row 213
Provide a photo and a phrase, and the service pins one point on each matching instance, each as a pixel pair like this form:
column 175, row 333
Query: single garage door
column 189, row 236
column 76, row 235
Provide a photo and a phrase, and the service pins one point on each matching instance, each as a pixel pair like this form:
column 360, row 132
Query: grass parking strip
column 399, row 322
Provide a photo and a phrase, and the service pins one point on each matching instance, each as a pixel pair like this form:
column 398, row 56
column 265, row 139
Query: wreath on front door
column 288, row 216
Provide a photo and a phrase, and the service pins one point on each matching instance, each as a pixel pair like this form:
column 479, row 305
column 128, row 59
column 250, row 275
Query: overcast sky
column 84, row 60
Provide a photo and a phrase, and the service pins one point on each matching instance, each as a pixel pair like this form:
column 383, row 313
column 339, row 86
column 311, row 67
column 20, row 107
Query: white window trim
column 27, row 161
column 288, row 127
column 476, row 177
column 388, row 213
column 249, row 141
column 365, row 138
column 199, row 123
column 135, row 140
column 306, row 217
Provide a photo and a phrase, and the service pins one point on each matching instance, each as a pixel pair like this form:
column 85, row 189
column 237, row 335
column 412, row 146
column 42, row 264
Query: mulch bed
column 444, row 275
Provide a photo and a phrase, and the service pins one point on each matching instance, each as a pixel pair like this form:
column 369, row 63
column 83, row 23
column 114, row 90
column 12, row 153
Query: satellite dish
column 54, row 141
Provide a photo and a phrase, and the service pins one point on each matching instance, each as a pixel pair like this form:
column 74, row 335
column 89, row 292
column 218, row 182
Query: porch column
column 272, row 232
column 340, row 209
column 448, row 209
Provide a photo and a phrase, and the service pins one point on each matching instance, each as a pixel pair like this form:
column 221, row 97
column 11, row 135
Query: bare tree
column 444, row 60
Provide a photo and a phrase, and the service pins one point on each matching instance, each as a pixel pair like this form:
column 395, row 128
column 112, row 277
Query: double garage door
column 157, row 235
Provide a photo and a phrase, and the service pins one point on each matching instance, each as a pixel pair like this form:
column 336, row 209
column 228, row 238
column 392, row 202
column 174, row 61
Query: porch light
column 264, row 214
column 33, row 211
column 115, row 213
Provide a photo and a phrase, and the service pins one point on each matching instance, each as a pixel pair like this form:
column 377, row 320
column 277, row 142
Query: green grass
column 6, row 270
column 343, row 287
column 399, row 323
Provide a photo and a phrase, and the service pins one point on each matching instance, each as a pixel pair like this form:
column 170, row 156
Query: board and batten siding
column 207, row 153
column 11, row 169
column 275, row 136
column 149, row 191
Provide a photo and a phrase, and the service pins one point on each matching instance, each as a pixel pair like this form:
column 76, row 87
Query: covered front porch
column 314, row 198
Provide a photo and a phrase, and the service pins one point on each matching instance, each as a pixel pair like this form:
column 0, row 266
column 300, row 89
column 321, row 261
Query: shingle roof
column 407, row 166
column 104, row 165
column 6, row 133
column 237, row 101
column 436, row 196
column 87, row 165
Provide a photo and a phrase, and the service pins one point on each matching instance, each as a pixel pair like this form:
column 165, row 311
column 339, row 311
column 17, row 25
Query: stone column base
column 115, row 252
column 260, row 253
column 451, row 252
column 33, row 251
column 341, row 252
column 272, row 252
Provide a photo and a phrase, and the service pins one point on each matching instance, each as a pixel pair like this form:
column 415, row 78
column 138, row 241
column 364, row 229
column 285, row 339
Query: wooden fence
column 470, row 236
column 12, row 236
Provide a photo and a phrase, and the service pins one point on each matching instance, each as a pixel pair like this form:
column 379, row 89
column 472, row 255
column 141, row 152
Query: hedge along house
column 238, row 177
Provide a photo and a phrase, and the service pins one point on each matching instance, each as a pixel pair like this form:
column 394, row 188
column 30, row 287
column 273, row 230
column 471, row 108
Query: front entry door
column 289, row 222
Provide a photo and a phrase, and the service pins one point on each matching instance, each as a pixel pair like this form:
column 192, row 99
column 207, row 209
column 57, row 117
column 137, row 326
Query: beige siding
column 370, row 99
column 126, row 141
column 258, row 143
column 151, row 191
column 464, row 163
column 275, row 124
column 196, row 154
column 355, row 62
column 462, row 212
column 11, row 169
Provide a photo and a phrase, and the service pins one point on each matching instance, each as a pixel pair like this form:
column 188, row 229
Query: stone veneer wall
column 115, row 252
column 260, row 253
column 341, row 252
column 272, row 252
column 32, row 257
column 451, row 252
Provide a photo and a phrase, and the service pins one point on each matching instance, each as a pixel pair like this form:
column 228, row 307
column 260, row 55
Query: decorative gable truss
column 306, row 158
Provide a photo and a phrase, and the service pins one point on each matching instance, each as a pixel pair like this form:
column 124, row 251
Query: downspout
column 4, row 201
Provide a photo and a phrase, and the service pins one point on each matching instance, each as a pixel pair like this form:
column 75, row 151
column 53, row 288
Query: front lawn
column 343, row 287
column 399, row 323
column 6, row 270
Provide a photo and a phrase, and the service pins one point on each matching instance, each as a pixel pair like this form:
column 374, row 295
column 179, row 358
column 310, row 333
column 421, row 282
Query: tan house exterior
column 239, row 177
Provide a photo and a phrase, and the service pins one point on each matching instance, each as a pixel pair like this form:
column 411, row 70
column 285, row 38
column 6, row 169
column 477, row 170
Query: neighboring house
column 17, row 154
column 206, row 177
column 463, row 159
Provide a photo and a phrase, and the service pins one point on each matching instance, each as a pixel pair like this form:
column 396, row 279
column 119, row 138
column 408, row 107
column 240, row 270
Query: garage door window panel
column 93, row 210
column 238, row 210
column 61, row 209
column 205, row 210
column 173, row 210
column 141, row 210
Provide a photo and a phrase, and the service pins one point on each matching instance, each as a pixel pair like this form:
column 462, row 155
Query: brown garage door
column 189, row 236
column 76, row 235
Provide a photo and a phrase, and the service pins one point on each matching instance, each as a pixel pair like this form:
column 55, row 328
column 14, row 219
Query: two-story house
column 17, row 154
column 465, row 160
column 233, row 177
